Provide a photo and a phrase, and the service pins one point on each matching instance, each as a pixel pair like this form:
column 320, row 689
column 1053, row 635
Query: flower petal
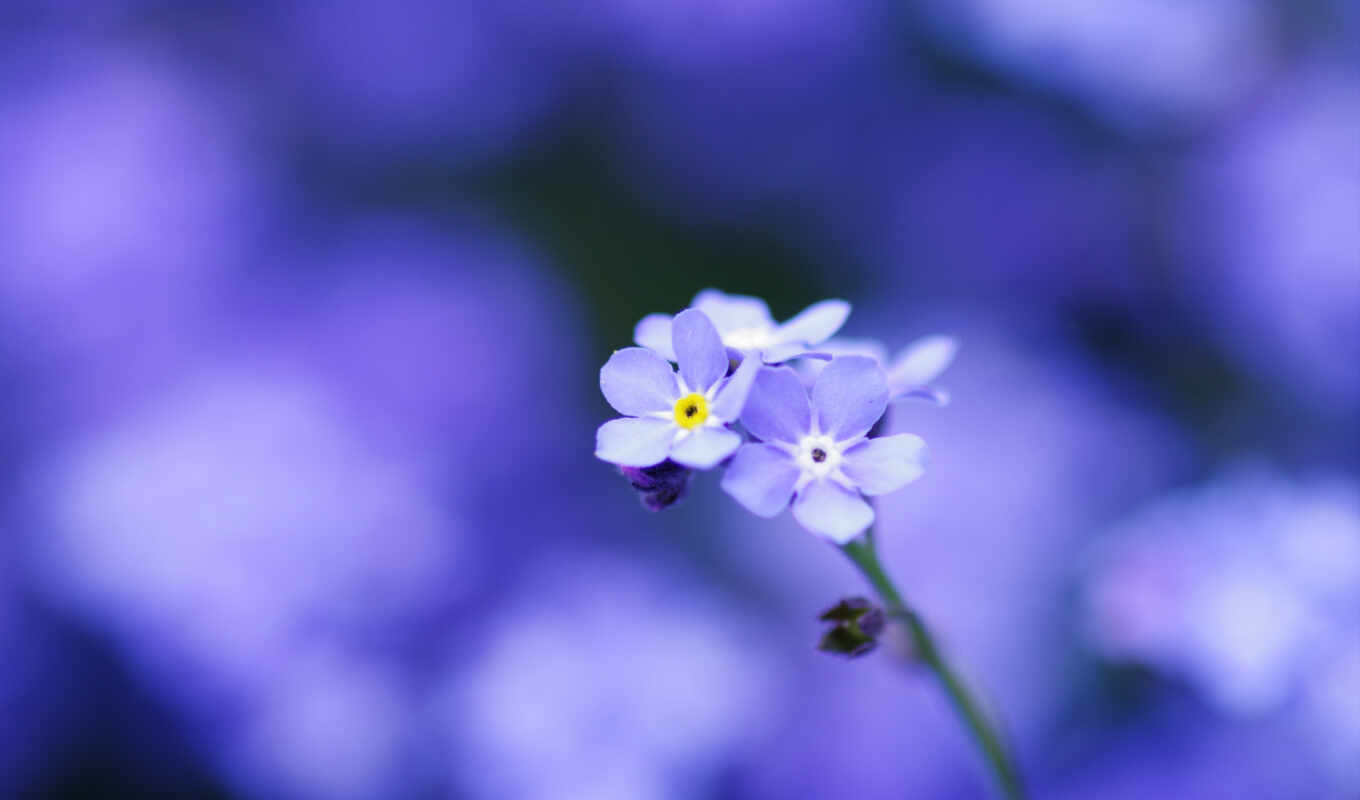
column 930, row 394
column 654, row 333
column 705, row 448
column 921, row 362
column 761, row 478
column 631, row 442
column 849, row 396
column 732, row 312
column 777, row 408
column 856, row 346
column 731, row 398
column 816, row 323
column 699, row 350
column 885, row 464
column 637, row 381
column 780, row 353
column 828, row 509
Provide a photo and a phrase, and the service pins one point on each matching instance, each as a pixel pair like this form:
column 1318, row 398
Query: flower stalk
column 864, row 556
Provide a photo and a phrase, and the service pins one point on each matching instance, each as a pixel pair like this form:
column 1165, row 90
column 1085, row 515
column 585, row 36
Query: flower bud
column 857, row 623
column 659, row 486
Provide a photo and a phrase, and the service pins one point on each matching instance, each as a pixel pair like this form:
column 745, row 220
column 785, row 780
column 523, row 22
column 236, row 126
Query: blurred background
column 302, row 307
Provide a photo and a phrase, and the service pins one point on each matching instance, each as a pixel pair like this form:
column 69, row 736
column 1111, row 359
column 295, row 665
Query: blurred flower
column 917, row 365
column 1248, row 588
column 910, row 372
column 614, row 683
column 747, row 328
column 815, row 451
column 250, row 552
column 1275, row 200
column 278, row 542
column 1139, row 64
column 683, row 417
column 127, row 192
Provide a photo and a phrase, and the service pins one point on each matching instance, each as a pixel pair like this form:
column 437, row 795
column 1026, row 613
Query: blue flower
column 918, row 364
column 910, row 374
column 682, row 415
column 746, row 327
column 815, row 450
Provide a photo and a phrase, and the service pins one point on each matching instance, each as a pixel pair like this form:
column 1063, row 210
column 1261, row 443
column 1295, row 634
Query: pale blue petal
column 732, row 312
column 828, row 509
column 637, row 381
column 706, row 448
column 809, row 369
column 849, row 396
column 780, row 353
column 930, row 394
column 632, row 442
column 885, row 464
column 731, row 398
column 816, row 323
column 856, row 346
column 922, row 361
column 654, row 333
column 777, row 408
column 699, row 350
column 761, row 478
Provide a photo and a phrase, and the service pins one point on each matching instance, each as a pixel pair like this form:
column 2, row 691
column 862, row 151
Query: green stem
column 862, row 553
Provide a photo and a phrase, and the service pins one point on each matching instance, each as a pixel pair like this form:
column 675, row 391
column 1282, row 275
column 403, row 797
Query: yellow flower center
column 691, row 411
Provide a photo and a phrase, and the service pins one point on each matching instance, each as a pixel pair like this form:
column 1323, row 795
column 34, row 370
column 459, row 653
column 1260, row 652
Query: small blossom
column 910, row 373
column 747, row 328
column 918, row 364
column 815, row 449
column 678, row 415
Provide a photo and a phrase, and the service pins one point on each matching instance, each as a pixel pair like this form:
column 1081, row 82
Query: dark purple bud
column 659, row 486
column 857, row 624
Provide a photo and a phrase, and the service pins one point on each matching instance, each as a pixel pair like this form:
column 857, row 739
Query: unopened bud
column 659, row 486
column 856, row 626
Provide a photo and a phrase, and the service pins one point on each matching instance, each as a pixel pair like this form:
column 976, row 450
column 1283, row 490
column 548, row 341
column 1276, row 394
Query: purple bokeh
column 278, row 540
column 1249, row 590
column 1278, row 248
column 302, row 311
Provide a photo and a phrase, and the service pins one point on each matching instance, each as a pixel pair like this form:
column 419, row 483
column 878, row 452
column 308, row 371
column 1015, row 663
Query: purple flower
column 815, row 448
column 909, row 374
column 1246, row 588
column 746, row 326
column 1135, row 64
column 681, row 415
column 917, row 365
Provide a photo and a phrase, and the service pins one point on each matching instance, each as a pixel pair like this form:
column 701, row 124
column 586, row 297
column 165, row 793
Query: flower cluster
column 800, row 438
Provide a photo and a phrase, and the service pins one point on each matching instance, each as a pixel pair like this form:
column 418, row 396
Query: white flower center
column 818, row 455
column 753, row 338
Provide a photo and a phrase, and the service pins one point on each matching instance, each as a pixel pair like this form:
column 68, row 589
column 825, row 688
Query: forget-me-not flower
column 746, row 326
column 910, row 373
column 815, row 449
column 918, row 364
column 681, row 415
